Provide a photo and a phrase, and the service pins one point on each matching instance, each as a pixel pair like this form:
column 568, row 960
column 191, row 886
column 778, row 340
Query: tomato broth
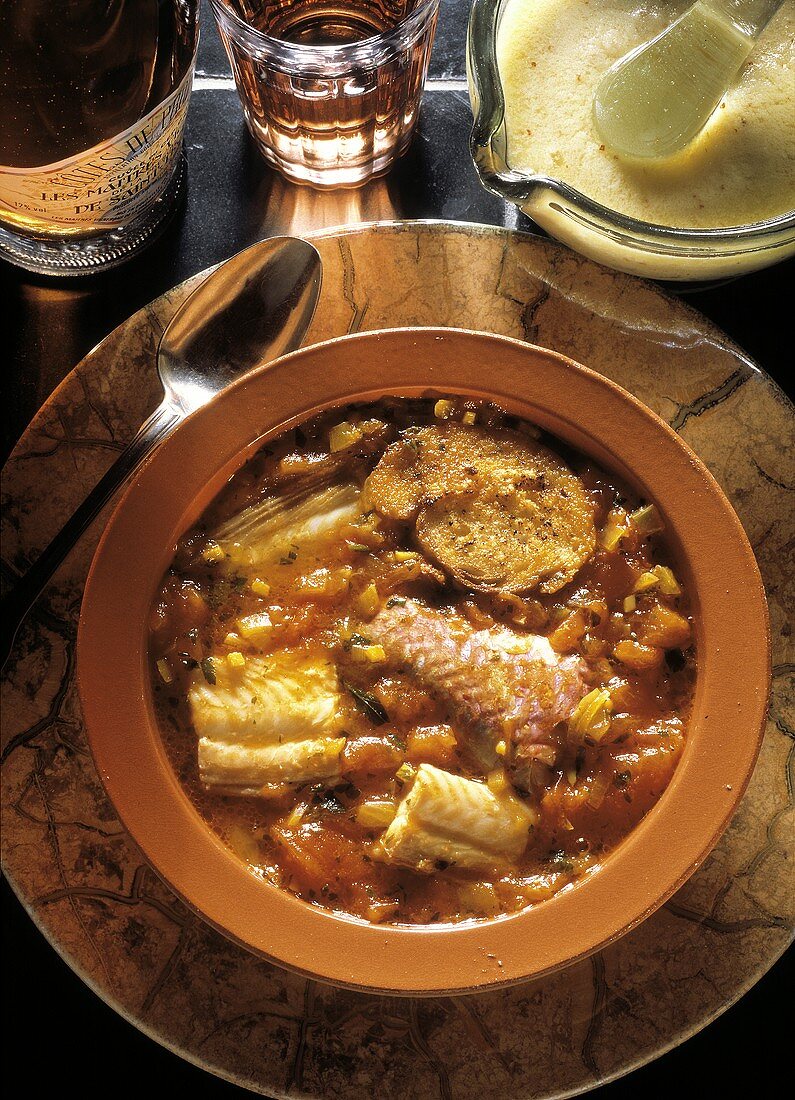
column 420, row 662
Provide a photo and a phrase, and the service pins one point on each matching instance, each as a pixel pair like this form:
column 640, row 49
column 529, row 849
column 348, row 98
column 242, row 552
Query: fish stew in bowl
column 421, row 663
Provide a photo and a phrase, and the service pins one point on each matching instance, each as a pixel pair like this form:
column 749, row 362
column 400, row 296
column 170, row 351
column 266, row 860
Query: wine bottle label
column 107, row 186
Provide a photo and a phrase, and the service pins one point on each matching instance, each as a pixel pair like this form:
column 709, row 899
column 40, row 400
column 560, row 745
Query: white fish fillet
column 275, row 720
column 263, row 533
column 246, row 768
column 447, row 817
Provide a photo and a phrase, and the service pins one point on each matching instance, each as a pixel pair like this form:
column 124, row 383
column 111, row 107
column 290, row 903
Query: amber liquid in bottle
column 84, row 145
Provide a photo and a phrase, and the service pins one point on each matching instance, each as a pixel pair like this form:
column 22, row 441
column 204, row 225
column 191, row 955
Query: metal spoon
column 253, row 308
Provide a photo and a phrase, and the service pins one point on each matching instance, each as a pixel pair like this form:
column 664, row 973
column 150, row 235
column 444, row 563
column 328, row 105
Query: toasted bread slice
column 495, row 509
column 394, row 488
column 489, row 543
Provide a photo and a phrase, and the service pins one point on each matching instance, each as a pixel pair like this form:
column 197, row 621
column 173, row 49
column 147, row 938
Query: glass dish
column 602, row 234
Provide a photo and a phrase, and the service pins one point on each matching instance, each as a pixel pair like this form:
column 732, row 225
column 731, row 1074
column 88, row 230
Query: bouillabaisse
column 419, row 663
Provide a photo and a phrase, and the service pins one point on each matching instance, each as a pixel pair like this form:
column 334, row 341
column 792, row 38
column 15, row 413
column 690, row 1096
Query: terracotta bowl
column 574, row 403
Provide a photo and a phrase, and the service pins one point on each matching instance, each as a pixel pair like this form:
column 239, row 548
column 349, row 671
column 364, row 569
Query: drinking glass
column 330, row 90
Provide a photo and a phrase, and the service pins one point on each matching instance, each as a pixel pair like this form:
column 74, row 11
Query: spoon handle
column 752, row 15
column 18, row 601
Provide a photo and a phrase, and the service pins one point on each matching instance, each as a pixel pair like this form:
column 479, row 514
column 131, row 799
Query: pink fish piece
column 499, row 685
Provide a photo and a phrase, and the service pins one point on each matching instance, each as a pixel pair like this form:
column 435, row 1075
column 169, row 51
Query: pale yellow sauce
column 739, row 170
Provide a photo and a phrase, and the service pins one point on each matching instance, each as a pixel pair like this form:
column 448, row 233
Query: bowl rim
column 583, row 408
column 488, row 103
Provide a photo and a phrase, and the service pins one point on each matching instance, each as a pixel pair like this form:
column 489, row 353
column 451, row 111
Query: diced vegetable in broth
column 419, row 662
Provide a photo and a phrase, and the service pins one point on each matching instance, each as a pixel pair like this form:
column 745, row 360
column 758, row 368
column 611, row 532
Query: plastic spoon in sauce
column 658, row 97
column 251, row 309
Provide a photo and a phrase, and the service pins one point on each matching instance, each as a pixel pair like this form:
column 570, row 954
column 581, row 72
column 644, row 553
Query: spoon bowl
column 255, row 307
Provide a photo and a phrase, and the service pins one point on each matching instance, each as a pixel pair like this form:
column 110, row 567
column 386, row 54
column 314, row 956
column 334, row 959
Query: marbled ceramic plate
column 280, row 1034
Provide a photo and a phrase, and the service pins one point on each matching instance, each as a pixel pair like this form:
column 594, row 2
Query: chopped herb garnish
column 218, row 593
column 579, row 760
column 368, row 704
column 396, row 601
column 358, row 640
column 675, row 659
column 347, row 788
column 208, row 670
column 359, row 547
column 330, row 803
column 560, row 860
